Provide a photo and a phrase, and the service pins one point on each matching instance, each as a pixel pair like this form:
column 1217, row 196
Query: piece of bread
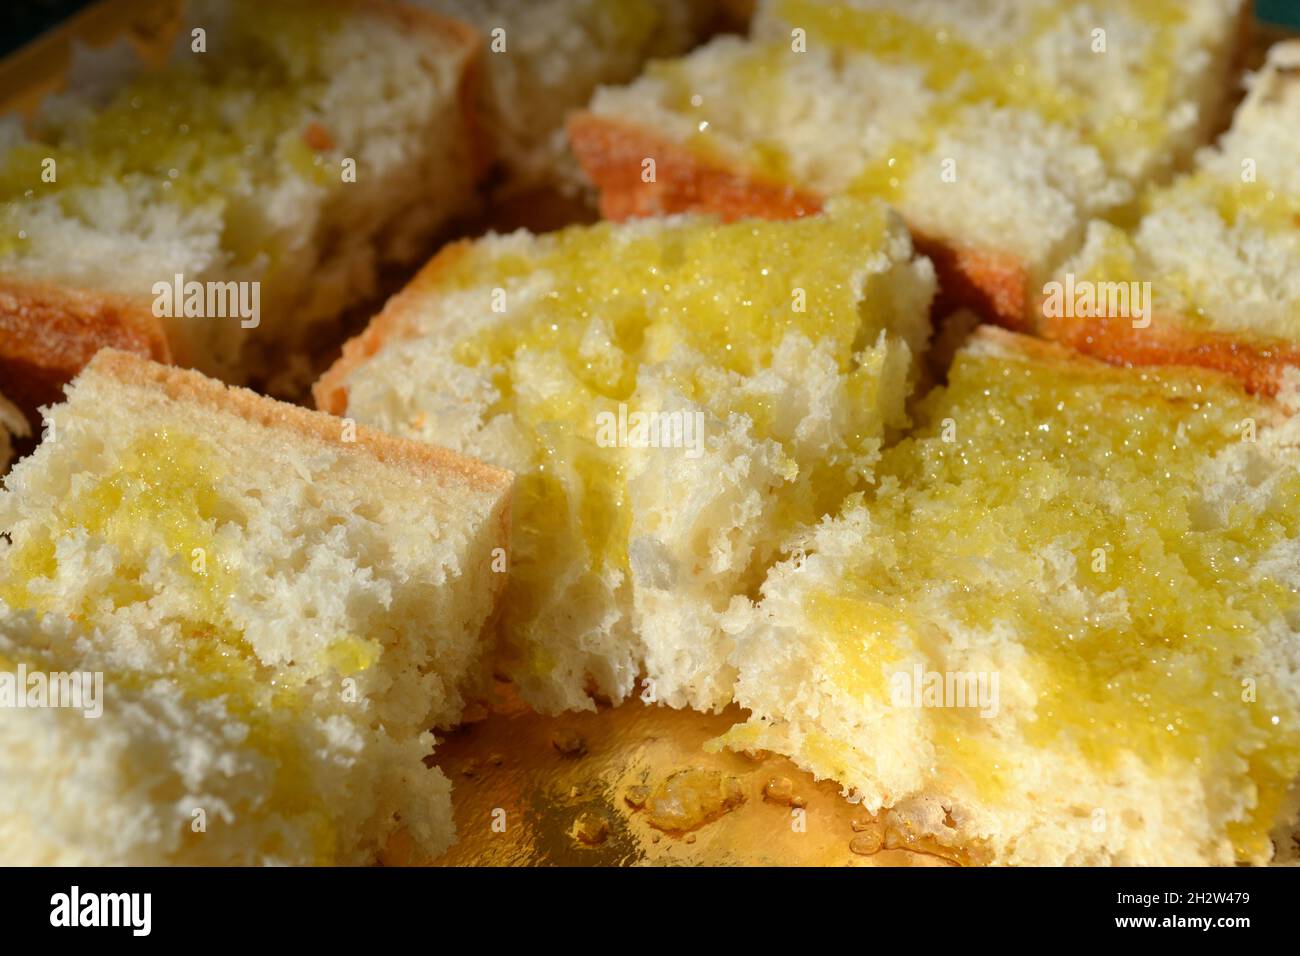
column 302, row 150
column 774, row 357
column 998, row 129
column 544, row 58
column 282, row 605
column 1111, row 557
column 1219, row 251
column 12, row 423
column 48, row 333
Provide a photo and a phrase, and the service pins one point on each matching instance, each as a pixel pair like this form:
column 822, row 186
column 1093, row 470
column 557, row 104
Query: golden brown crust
column 993, row 284
column 1258, row 364
column 183, row 385
column 48, row 333
column 611, row 153
column 395, row 320
column 1049, row 351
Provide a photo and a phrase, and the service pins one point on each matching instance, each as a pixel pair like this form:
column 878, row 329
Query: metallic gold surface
column 582, row 790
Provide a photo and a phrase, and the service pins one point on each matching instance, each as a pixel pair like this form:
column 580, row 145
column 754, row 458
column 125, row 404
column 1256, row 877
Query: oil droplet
column 779, row 790
column 868, row 841
column 896, row 839
column 569, row 743
column 688, row 799
column 905, row 839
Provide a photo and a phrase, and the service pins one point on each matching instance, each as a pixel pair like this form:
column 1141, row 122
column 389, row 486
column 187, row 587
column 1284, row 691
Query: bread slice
column 48, row 333
column 998, row 129
column 12, row 423
column 1062, row 628
column 675, row 395
column 282, row 605
column 1219, row 252
column 302, row 150
column 545, row 58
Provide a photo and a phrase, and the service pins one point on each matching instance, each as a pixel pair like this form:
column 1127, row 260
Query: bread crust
column 420, row 458
column 1052, row 351
column 395, row 321
column 611, row 153
column 1257, row 364
column 184, row 385
column 48, row 333
column 991, row 283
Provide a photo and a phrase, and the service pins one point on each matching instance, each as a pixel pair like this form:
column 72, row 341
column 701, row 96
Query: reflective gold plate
column 633, row 785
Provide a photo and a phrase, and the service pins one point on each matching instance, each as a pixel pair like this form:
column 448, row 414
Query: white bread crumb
column 692, row 533
column 281, row 615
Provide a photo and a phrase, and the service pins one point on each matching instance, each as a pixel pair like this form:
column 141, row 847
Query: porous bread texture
column 629, row 560
column 166, row 776
column 1221, row 246
column 872, row 109
column 1080, row 762
column 227, row 166
column 548, row 60
column 1159, row 88
column 313, row 536
column 830, row 113
column 12, row 423
column 282, row 599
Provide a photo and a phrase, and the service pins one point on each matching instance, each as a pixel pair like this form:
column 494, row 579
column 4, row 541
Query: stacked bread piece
column 279, row 606
column 1061, row 628
column 224, row 208
column 48, row 333
column 676, row 397
column 1045, row 614
column 545, row 58
column 997, row 129
column 1053, row 623
column 1218, row 253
